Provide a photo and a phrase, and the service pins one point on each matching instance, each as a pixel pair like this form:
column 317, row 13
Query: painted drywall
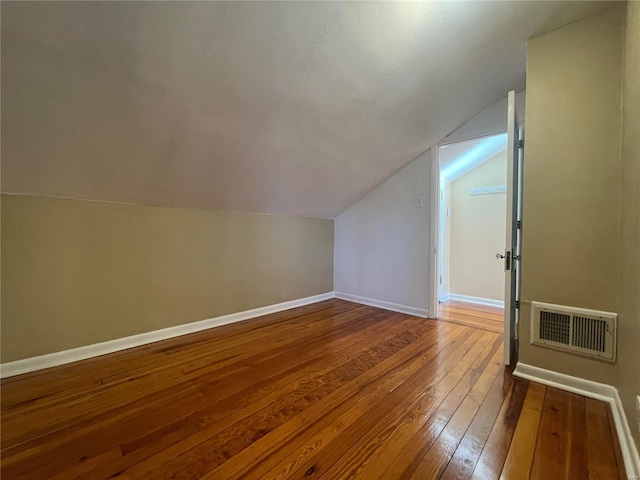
column 629, row 281
column 296, row 108
column 382, row 242
column 76, row 273
column 572, row 249
column 489, row 121
column 478, row 231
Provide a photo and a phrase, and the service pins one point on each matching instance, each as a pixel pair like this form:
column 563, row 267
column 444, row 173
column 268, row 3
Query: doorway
column 485, row 146
column 471, row 222
column 471, row 229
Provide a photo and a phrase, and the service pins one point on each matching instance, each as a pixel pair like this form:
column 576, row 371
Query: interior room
column 472, row 226
column 269, row 240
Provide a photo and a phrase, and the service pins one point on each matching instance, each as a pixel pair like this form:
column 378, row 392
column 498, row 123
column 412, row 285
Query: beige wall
column 629, row 351
column 478, row 231
column 572, row 254
column 76, row 273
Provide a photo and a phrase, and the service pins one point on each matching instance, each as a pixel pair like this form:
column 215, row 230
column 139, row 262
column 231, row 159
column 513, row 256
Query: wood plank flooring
column 331, row 390
column 473, row 315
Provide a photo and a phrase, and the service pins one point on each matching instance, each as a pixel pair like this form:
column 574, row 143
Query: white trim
column 445, row 298
column 394, row 307
column 26, row 365
column 489, row 130
column 478, row 300
column 599, row 391
column 473, row 135
column 432, row 294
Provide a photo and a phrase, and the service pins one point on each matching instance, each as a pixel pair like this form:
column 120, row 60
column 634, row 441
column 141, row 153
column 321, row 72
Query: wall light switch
column 419, row 202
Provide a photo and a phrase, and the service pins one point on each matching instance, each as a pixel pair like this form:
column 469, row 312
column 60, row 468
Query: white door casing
column 513, row 232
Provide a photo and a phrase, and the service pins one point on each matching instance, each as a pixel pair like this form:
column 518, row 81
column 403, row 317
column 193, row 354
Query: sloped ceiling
column 290, row 108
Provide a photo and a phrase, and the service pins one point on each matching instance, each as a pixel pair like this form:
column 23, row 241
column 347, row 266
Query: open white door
column 513, row 241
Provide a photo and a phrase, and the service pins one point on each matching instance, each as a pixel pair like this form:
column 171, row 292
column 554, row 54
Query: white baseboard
column 394, row 307
column 18, row 367
column 599, row 391
column 445, row 298
column 478, row 300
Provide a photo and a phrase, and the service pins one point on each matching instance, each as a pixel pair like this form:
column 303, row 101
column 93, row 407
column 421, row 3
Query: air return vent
column 580, row 331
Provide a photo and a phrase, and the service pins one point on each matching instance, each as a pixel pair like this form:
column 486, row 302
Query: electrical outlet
column 419, row 202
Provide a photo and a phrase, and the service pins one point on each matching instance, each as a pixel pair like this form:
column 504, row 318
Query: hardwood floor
column 331, row 390
column 473, row 315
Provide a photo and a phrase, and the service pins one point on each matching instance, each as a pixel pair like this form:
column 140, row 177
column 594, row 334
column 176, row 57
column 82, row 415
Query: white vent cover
column 577, row 330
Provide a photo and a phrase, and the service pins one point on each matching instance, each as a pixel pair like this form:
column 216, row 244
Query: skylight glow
column 474, row 156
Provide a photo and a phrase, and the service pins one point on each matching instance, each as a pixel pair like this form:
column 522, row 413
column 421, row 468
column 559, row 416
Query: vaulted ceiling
column 271, row 107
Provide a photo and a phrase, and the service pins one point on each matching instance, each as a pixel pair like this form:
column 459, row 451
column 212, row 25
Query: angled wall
column 76, row 273
column 382, row 242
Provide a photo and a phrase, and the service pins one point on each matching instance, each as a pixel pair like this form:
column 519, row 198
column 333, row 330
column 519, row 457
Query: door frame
column 491, row 127
column 513, row 240
column 434, row 234
column 434, row 214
